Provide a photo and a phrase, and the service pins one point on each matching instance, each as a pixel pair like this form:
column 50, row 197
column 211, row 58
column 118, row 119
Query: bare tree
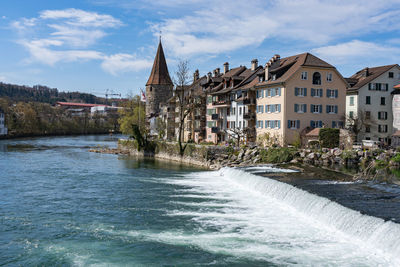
column 185, row 101
column 358, row 122
column 237, row 134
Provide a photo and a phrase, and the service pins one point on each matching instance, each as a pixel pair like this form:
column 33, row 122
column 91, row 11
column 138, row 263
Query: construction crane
column 107, row 94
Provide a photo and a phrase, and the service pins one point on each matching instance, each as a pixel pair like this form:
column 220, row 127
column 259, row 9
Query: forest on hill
column 44, row 94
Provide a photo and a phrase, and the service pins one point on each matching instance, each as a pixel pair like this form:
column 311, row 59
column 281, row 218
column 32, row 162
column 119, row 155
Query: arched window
column 316, row 78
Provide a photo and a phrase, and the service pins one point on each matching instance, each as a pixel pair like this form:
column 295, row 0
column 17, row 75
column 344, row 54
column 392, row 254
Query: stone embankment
column 380, row 165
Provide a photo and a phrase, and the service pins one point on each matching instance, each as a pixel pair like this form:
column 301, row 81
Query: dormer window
column 316, row 78
column 261, row 79
column 273, row 77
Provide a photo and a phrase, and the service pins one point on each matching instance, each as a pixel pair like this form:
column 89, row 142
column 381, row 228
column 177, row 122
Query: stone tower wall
column 156, row 94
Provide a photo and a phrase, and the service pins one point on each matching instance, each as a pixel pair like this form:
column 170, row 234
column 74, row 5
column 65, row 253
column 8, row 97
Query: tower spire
column 159, row 73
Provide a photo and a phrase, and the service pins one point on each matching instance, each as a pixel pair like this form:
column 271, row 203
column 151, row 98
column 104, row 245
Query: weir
column 368, row 231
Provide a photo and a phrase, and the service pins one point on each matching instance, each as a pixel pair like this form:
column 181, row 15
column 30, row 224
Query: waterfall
column 367, row 230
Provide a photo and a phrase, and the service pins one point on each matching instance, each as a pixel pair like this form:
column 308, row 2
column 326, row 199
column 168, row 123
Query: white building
column 369, row 102
column 3, row 128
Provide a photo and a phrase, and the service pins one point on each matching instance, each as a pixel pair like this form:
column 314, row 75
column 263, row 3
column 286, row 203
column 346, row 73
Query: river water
column 61, row 205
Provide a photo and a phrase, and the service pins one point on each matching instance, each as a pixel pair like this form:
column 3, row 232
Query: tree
column 237, row 134
column 132, row 113
column 358, row 122
column 185, row 100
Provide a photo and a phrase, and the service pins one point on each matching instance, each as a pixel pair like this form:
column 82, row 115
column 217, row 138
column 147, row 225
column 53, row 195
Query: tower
column 159, row 86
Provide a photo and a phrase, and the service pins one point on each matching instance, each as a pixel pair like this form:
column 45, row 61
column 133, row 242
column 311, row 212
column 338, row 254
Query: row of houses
column 282, row 100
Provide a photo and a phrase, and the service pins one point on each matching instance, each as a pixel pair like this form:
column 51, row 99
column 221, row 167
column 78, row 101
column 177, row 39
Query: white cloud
column 118, row 63
column 3, row 79
column 70, row 33
column 221, row 27
column 356, row 51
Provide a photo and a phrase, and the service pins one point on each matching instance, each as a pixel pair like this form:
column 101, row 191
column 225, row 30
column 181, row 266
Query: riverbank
column 376, row 165
column 20, row 136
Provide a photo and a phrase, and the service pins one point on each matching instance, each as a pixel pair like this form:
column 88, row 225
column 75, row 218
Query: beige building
column 297, row 94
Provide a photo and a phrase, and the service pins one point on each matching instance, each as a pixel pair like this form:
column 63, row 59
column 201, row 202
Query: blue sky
column 94, row 45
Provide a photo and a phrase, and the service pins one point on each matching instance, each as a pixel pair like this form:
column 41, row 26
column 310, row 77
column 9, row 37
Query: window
column 351, row 114
column 261, row 78
column 300, row 91
column 367, row 128
column 383, row 101
column 260, row 109
column 368, row 100
column 211, row 124
column 316, row 92
column 378, row 86
column 330, row 93
column 293, row 124
column 329, row 77
column 391, row 74
column 316, row 78
column 260, row 124
column 331, row 109
column 382, row 128
column 211, row 111
column 240, row 110
column 233, row 111
column 316, row 124
column 268, row 108
column 367, row 115
column 267, row 92
column 240, row 125
column 273, row 77
column 351, row 100
column 382, row 115
column 300, row 108
column 337, row 124
column 316, row 108
column 277, row 107
column 304, row 75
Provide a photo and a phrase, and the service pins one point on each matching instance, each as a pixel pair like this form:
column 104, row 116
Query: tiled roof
column 289, row 65
column 313, row 132
column 159, row 73
column 397, row 133
column 359, row 79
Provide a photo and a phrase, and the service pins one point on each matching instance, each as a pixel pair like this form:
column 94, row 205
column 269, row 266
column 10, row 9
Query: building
column 158, row 87
column 297, row 94
column 79, row 109
column 3, row 128
column 369, row 102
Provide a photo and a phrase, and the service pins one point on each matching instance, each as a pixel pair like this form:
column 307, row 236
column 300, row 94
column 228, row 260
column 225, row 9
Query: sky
column 97, row 45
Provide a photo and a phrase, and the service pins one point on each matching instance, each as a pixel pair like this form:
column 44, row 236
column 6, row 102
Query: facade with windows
column 369, row 102
column 300, row 93
column 3, row 128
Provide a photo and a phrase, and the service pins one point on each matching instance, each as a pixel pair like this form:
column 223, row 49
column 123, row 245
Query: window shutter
column 297, row 124
column 305, row 91
column 312, row 108
column 312, row 92
column 320, row 124
column 328, row 92
column 262, row 93
column 387, row 87
column 305, row 108
column 312, row 124
column 333, row 124
column 327, row 108
column 379, row 115
column 321, row 92
column 279, row 124
column 369, row 86
column 296, row 107
column 288, row 124
column 279, row 91
column 320, row 108
column 257, row 93
column 272, row 108
column 336, row 93
column 272, row 91
column 296, row 91
column 279, row 108
column 272, row 124
column 336, row 109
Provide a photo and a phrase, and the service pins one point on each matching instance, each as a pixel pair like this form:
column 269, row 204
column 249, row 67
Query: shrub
column 380, row 164
column 396, row 158
column 277, row 155
column 329, row 137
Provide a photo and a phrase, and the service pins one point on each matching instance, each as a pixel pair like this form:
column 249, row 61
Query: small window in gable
column 317, row 78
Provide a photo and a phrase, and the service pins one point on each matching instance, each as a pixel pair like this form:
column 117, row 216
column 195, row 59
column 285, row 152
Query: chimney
column 209, row 77
column 226, row 67
column 275, row 61
column 267, row 69
column 254, row 64
column 215, row 73
column 366, row 72
column 196, row 75
column 218, row 71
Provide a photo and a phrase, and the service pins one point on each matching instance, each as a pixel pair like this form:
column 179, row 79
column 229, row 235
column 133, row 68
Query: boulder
column 337, row 152
column 325, row 150
column 311, row 156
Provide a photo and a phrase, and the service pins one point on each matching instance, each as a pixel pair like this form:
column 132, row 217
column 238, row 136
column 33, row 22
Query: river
column 62, row 205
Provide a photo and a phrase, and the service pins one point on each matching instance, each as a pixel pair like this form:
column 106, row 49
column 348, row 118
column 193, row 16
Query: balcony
column 249, row 101
column 215, row 117
column 222, row 103
column 214, row 129
column 249, row 116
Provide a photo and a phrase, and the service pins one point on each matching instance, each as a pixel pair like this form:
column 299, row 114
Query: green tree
column 133, row 113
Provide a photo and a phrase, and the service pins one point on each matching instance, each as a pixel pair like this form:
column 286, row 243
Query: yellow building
column 297, row 94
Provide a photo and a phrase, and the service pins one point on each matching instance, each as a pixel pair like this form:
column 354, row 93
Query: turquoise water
column 61, row 205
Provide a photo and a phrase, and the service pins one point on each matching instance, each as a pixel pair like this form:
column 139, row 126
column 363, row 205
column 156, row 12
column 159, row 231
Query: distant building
column 3, row 128
column 369, row 98
column 80, row 109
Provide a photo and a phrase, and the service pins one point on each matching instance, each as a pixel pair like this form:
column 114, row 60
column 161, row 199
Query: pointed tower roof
column 159, row 73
